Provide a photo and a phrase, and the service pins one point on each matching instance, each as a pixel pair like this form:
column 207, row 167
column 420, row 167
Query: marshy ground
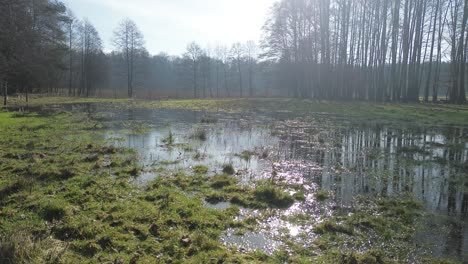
column 233, row 181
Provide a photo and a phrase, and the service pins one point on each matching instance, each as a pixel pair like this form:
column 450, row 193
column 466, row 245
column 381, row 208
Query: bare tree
column 91, row 47
column 237, row 52
column 194, row 53
column 459, row 95
column 219, row 60
column 435, row 11
column 251, row 53
column 224, row 55
column 129, row 40
column 367, row 50
column 70, row 20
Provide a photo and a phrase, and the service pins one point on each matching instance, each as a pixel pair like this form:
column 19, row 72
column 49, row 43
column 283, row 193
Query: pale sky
column 169, row 25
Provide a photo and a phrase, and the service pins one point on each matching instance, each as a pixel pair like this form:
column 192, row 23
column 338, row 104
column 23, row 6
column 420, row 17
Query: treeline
column 380, row 50
column 214, row 72
column 45, row 49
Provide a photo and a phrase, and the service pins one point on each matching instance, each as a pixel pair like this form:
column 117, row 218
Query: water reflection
column 431, row 164
column 345, row 158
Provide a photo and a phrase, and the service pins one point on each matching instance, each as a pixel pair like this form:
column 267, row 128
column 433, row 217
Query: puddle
column 218, row 206
column 317, row 152
column 250, row 241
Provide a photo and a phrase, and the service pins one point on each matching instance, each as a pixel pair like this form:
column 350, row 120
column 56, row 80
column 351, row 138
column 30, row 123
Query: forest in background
column 376, row 50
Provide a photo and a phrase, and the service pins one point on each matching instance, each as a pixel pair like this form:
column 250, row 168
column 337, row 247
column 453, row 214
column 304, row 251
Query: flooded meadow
column 159, row 185
column 334, row 164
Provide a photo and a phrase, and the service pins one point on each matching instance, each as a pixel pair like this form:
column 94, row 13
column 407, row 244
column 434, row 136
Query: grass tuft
column 228, row 169
column 273, row 196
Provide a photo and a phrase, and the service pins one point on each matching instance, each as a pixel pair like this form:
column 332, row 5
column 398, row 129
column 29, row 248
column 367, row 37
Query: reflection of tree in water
column 429, row 163
column 392, row 161
column 455, row 244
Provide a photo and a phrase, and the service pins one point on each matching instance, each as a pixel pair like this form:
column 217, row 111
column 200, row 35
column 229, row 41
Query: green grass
column 321, row 195
column 200, row 169
column 74, row 188
column 170, row 139
column 418, row 114
column 67, row 199
column 428, row 114
column 273, row 196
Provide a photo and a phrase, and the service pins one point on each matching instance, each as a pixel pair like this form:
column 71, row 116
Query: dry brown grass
column 21, row 247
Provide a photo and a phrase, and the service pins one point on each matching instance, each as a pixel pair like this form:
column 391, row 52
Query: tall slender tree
column 129, row 40
column 237, row 53
column 194, row 53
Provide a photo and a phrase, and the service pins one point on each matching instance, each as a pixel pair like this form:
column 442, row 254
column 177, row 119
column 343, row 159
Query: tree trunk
column 382, row 87
column 70, row 81
column 406, row 47
column 27, row 98
column 226, row 86
column 413, row 89
column 435, row 86
column 5, row 92
column 396, row 26
column 431, row 55
column 251, row 79
column 453, row 90
column 217, row 79
column 462, row 58
column 240, row 76
column 194, row 79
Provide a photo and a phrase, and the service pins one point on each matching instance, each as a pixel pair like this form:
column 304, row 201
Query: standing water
column 319, row 152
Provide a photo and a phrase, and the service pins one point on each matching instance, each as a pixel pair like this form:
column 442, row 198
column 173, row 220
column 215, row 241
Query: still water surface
column 320, row 152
